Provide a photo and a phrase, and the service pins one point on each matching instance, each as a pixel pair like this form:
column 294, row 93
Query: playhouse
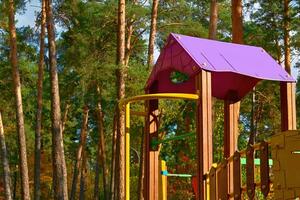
column 228, row 72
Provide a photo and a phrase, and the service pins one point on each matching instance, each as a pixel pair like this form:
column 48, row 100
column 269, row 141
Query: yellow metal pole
column 207, row 188
column 127, row 154
column 164, row 181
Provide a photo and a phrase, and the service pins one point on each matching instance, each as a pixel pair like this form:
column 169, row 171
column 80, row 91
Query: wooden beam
column 231, row 131
column 151, row 155
column 231, row 127
column 288, row 106
column 204, row 129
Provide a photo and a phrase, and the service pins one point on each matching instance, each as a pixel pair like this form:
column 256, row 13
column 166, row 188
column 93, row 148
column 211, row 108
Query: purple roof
column 235, row 68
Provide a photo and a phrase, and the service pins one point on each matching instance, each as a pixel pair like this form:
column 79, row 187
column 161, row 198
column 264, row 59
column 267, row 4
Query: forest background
column 61, row 78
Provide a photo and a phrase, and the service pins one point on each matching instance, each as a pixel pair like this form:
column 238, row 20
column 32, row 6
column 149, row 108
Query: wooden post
column 213, row 183
column 250, row 172
column 264, row 168
column 288, row 106
column 236, row 175
column 204, row 129
column 151, row 155
column 231, row 127
column 231, row 119
column 222, row 181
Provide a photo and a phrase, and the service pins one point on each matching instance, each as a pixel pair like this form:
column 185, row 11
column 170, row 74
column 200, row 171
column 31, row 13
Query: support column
column 231, row 131
column 231, row 127
column 288, row 106
column 151, row 155
column 204, row 129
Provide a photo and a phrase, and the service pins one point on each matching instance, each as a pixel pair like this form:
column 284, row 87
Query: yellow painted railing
column 126, row 103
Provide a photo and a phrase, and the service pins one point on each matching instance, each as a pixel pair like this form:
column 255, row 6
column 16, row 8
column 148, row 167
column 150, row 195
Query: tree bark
column 38, row 129
column 212, row 34
column 83, row 176
column 213, row 21
column 152, row 34
column 113, row 158
column 58, row 158
column 142, row 168
column 121, row 77
column 287, row 49
column 237, row 36
column 5, row 163
column 278, row 51
column 15, row 182
column 128, row 42
column 19, row 104
column 237, row 21
column 80, row 151
column 101, row 153
column 65, row 117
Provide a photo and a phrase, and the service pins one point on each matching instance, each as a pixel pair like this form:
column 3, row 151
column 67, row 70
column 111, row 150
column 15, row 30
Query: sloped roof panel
column 234, row 67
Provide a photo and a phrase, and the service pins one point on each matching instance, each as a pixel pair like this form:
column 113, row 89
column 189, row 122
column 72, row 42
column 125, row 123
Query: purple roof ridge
column 234, row 66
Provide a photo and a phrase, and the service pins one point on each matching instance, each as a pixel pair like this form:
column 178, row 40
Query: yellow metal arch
column 135, row 99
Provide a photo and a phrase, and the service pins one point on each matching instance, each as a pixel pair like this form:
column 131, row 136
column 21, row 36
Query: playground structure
column 228, row 72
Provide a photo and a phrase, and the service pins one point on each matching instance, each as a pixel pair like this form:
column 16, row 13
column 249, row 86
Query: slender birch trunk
column 101, row 153
column 58, row 158
column 80, row 151
column 152, row 34
column 19, row 104
column 121, row 76
column 38, row 129
column 5, row 163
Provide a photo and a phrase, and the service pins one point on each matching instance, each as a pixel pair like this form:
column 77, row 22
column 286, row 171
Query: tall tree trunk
column 121, row 77
column 237, row 37
column 128, row 42
column 152, row 34
column 253, row 120
column 142, row 168
column 213, row 21
column 79, row 154
column 128, row 45
column 83, row 175
column 19, row 105
column 237, row 21
column 38, row 129
column 65, row 117
column 58, row 158
column 101, row 153
column 287, row 50
column 150, row 63
column 212, row 34
column 278, row 50
column 15, row 183
column 5, row 164
column 113, row 158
